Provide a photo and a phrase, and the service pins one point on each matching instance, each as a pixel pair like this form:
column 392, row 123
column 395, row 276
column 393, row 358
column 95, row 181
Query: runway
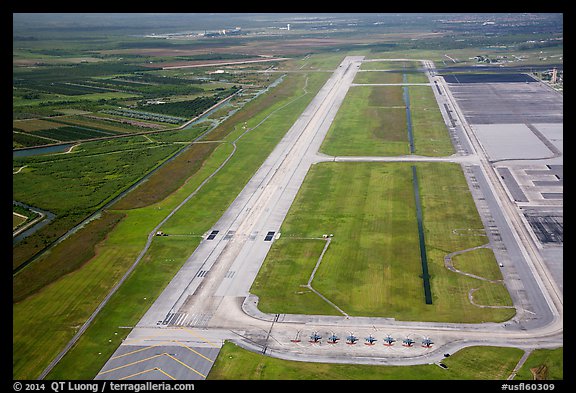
column 226, row 259
column 225, row 263
column 208, row 301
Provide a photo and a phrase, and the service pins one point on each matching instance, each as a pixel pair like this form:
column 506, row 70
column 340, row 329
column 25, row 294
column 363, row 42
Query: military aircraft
column 315, row 337
column 333, row 339
column 389, row 340
column 370, row 340
column 351, row 339
column 407, row 342
column 427, row 342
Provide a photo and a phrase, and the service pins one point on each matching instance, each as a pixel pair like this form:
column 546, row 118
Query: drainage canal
column 408, row 116
column 423, row 258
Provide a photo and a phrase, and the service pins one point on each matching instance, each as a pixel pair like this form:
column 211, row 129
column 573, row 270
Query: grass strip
column 473, row 363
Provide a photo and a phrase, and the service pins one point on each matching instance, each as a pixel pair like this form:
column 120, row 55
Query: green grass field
column 126, row 307
column 549, row 362
column 389, row 65
column 372, row 121
column 372, row 266
column 474, row 363
column 430, row 133
column 76, row 184
column 378, row 77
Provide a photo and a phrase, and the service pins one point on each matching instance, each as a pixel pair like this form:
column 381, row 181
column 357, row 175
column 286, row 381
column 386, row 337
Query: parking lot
column 505, row 99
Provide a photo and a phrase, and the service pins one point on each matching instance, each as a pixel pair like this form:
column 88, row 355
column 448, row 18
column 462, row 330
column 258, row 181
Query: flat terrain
column 386, row 114
column 372, row 122
column 505, row 101
column 489, row 363
column 119, row 250
column 519, row 124
column 216, row 304
column 372, row 266
column 473, row 363
column 497, row 239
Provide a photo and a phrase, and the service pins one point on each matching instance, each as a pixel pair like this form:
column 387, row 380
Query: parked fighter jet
column 333, row 339
column 389, row 340
column 370, row 340
column 427, row 342
column 351, row 339
column 315, row 337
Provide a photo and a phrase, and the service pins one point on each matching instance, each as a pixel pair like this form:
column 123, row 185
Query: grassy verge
column 125, row 308
column 76, row 184
column 545, row 363
column 474, row 363
column 65, row 257
column 430, row 134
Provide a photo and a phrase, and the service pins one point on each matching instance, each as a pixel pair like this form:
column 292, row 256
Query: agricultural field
column 75, row 94
column 372, row 266
column 108, row 97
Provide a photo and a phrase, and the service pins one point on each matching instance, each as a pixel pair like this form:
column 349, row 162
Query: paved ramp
column 159, row 362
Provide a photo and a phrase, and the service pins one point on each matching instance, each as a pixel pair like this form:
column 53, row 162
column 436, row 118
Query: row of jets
column 370, row 340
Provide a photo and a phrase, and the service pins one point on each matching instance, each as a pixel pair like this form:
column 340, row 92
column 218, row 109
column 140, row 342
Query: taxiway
column 209, row 302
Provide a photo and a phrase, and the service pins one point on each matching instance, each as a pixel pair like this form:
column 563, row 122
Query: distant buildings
column 235, row 31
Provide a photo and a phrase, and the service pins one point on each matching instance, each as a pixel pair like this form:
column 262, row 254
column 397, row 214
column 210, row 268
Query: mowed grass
column 370, row 122
column 126, row 307
column 378, row 77
column 372, row 119
column 549, row 362
column 431, row 136
column 473, row 363
column 390, row 65
column 482, row 262
column 372, row 266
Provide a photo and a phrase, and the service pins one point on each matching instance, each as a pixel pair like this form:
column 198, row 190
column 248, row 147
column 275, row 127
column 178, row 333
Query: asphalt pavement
column 208, row 301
